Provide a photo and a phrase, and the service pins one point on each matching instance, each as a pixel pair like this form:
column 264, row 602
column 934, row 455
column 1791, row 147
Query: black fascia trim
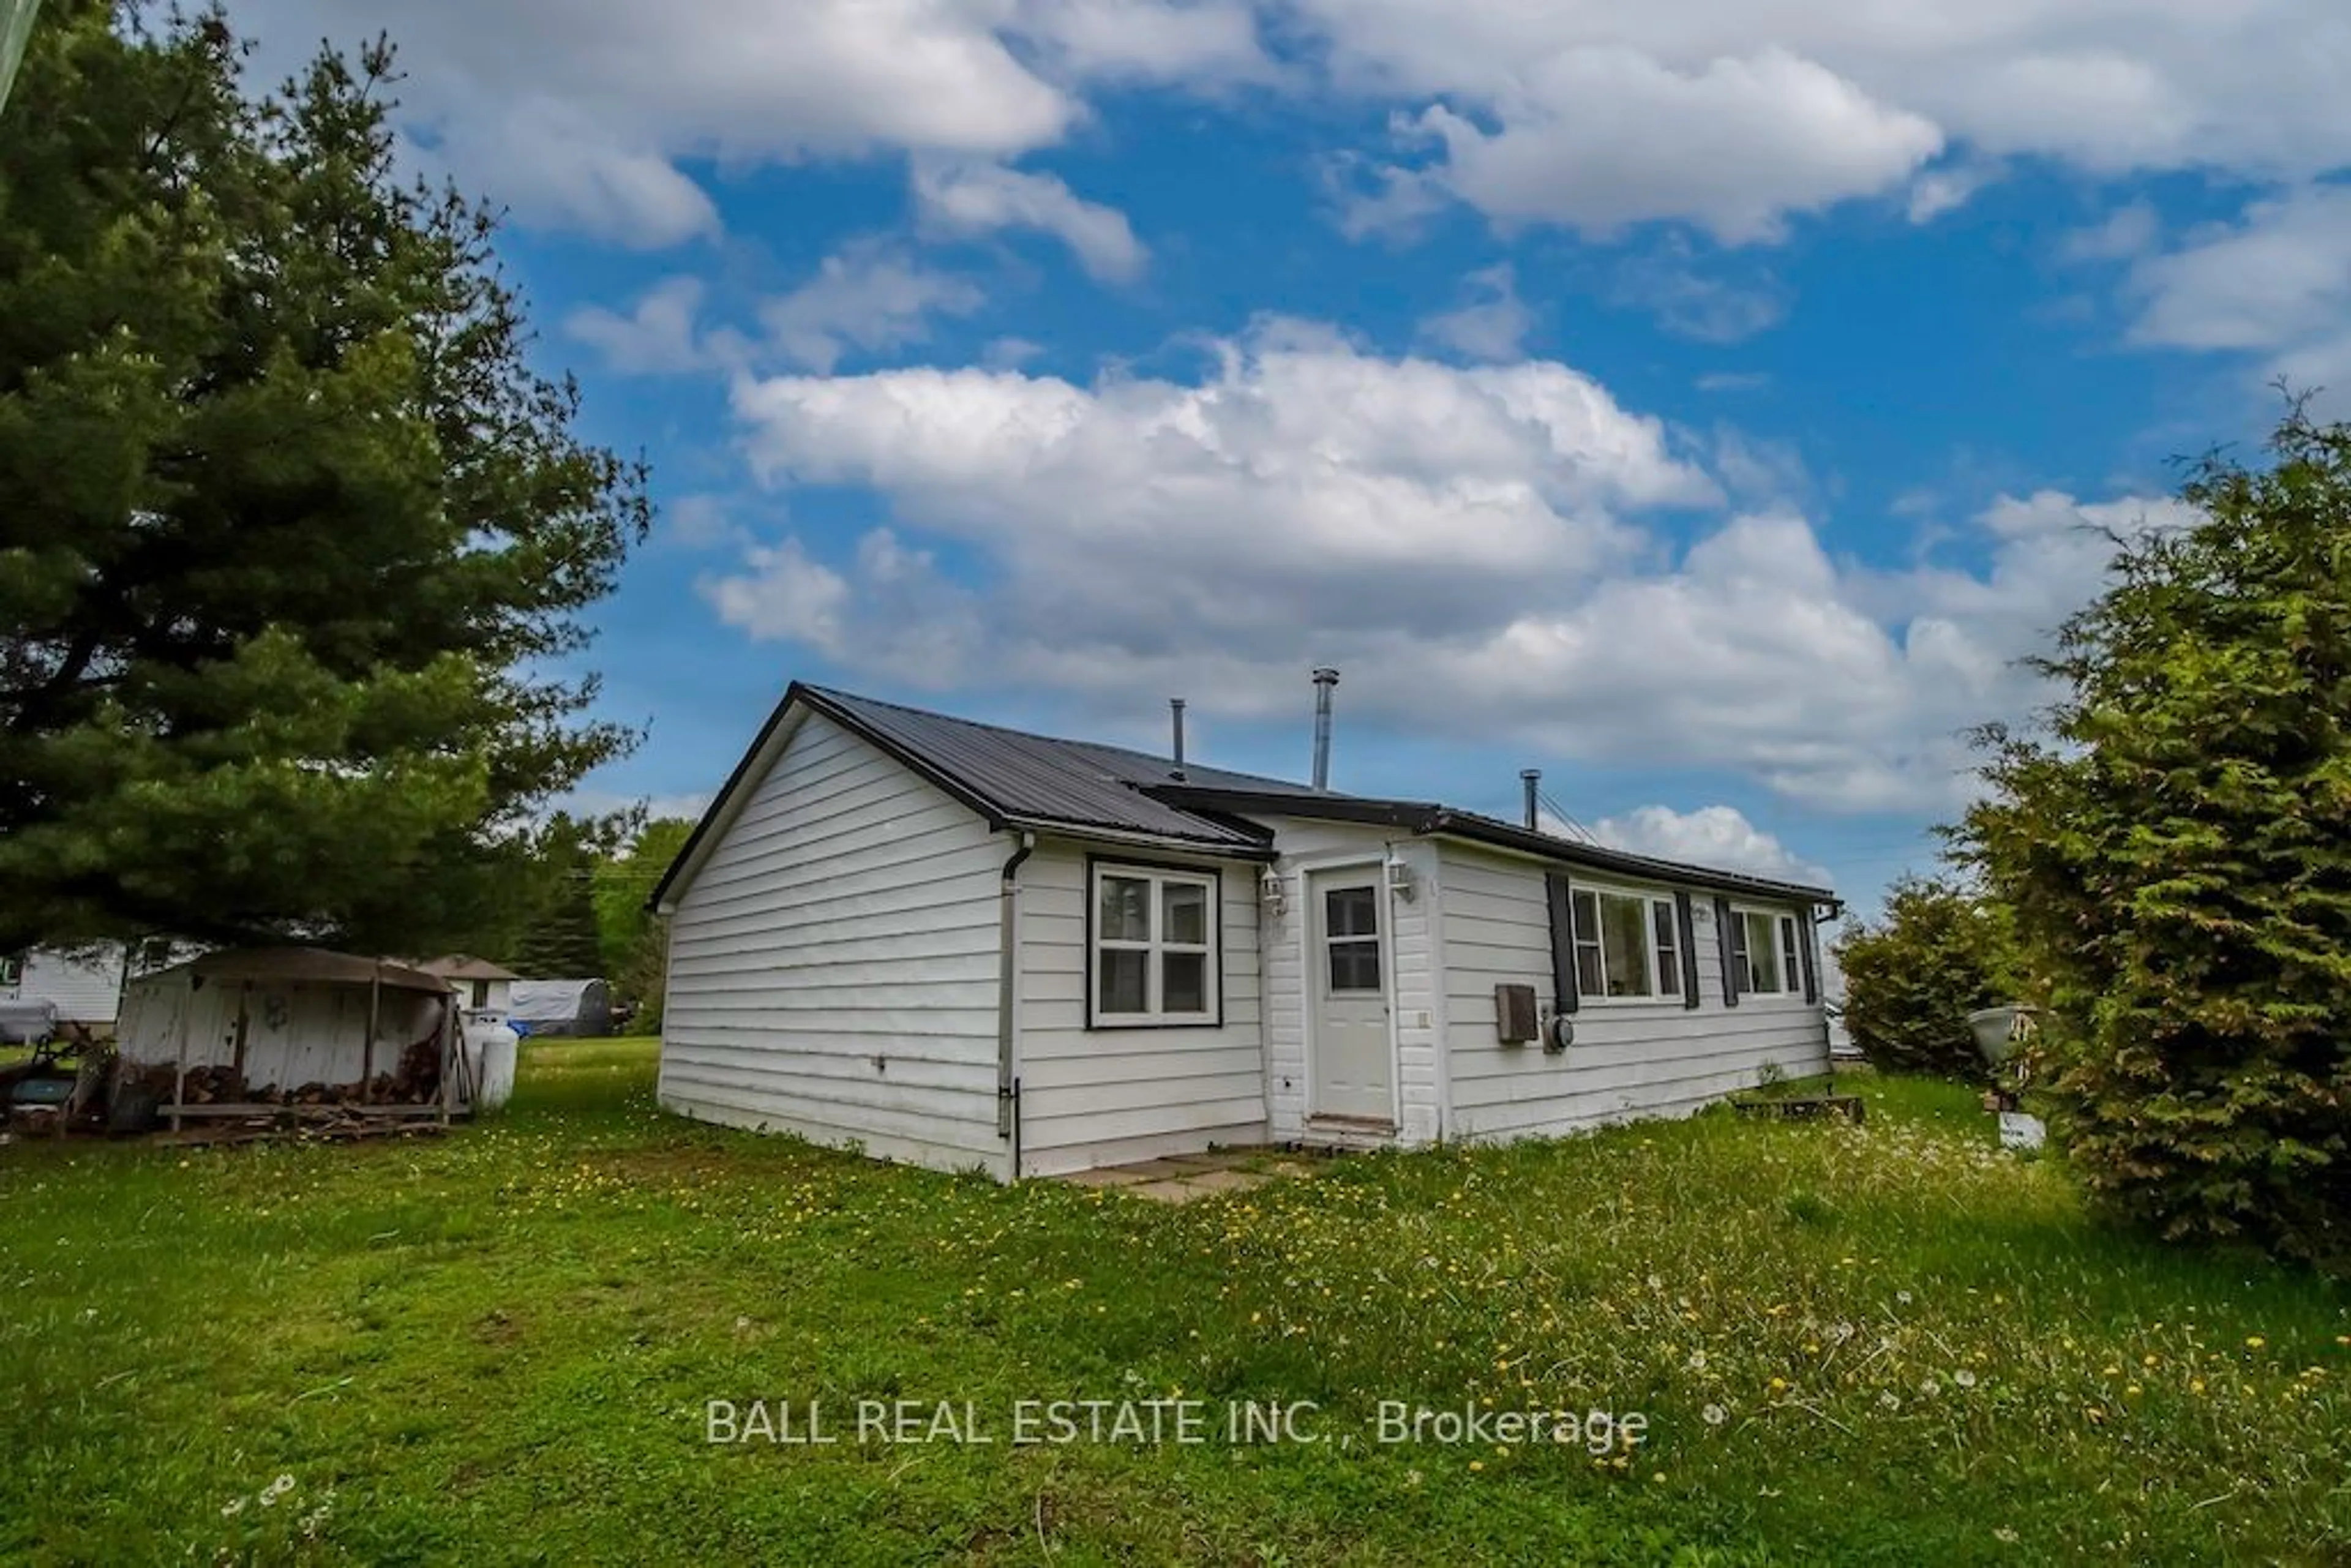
column 1425, row 817
column 1488, row 830
column 801, row 694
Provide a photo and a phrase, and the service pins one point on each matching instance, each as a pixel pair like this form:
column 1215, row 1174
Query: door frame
column 1310, row 958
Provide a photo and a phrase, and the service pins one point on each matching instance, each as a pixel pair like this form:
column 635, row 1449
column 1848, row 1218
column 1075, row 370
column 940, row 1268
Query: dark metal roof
column 1015, row 780
column 1034, row 780
column 1429, row 816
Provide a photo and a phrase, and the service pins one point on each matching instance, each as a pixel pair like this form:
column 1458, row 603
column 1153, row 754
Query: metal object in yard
column 490, row 1049
column 2022, row 1133
column 1804, row 1107
column 45, row 1092
column 2000, row 1031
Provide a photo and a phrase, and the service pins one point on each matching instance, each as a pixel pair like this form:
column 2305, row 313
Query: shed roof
column 1016, row 780
column 314, row 965
column 465, row 967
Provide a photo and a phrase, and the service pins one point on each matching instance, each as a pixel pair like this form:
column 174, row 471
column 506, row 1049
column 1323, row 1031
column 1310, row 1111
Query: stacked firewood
column 417, row 1082
column 203, row 1085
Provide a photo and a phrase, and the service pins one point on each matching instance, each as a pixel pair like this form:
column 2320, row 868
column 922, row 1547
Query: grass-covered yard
column 1885, row 1344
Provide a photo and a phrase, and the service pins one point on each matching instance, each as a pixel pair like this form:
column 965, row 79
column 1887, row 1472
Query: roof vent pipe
column 1325, row 678
column 1532, row 778
column 1176, row 716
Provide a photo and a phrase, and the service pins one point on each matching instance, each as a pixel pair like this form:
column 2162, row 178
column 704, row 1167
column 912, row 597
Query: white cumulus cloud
column 1718, row 836
column 2275, row 286
column 1479, row 548
column 968, row 199
column 1733, row 147
column 1491, row 325
column 782, row 595
column 584, row 116
column 1735, row 115
column 868, row 296
column 658, row 336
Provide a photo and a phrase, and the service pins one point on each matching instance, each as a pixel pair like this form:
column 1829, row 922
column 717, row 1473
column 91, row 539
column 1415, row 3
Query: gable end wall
column 833, row 964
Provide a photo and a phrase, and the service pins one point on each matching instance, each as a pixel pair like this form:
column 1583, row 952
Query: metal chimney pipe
column 1175, row 715
column 1325, row 678
column 1532, row 778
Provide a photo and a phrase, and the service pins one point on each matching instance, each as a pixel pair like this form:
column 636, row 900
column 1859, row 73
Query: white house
column 970, row 947
column 84, row 984
column 481, row 986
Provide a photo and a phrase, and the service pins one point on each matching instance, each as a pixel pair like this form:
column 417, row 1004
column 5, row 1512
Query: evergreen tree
column 290, row 533
column 625, row 880
column 1912, row 977
column 2177, row 853
column 560, row 941
column 635, row 939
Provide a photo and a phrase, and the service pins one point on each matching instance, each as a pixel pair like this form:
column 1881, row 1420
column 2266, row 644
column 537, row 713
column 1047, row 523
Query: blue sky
column 1704, row 402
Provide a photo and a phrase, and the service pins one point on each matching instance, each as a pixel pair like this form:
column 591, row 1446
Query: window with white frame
column 1628, row 946
column 12, row 969
column 1154, row 946
column 1774, row 965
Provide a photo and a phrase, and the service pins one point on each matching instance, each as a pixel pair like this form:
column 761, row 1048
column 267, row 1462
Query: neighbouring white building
column 83, row 984
column 971, row 947
column 481, row 986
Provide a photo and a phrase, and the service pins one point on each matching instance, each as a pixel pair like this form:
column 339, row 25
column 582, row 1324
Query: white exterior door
column 1353, row 1069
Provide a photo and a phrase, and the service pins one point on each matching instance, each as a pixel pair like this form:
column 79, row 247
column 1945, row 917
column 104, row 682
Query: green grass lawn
column 1884, row 1344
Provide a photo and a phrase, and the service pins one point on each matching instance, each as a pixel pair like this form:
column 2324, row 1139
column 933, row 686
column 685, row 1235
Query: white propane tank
column 490, row 1048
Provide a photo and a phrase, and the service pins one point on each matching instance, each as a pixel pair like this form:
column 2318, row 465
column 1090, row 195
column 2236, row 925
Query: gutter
column 1008, row 980
column 1427, row 819
column 1090, row 832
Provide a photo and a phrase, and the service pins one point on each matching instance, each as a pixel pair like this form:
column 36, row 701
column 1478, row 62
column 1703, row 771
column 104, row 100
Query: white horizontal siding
column 1628, row 1060
column 833, row 963
column 85, row 985
column 1092, row 1097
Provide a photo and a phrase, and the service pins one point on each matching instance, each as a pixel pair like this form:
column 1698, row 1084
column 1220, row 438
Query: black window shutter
column 1562, row 940
column 1730, row 935
column 1804, row 941
column 1685, row 923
